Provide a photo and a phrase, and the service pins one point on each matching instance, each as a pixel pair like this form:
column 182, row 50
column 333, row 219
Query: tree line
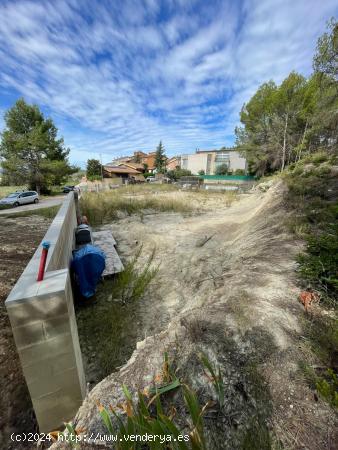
column 282, row 123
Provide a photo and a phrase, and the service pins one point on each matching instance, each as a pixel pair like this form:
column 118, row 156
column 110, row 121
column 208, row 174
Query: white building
column 209, row 160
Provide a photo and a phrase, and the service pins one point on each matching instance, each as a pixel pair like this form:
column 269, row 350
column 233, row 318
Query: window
column 184, row 163
column 222, row 158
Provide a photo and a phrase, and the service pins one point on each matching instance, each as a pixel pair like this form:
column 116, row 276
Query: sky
column 119, row 76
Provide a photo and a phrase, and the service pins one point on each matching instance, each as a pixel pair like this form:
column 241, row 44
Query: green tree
column 160, row 158
column 30, row 150
column 325, row 59
column 280, row 124
column 93, row 168
column 222, row 169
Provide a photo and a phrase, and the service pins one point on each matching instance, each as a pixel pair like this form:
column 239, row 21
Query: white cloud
column 120, row 76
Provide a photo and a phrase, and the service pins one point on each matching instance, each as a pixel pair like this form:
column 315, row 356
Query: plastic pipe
column 43, row 259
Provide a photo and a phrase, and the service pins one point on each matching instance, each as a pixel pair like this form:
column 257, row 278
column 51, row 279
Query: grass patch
column 103, row 207
column 131, row 284
column 48, row 213
column 322, row 334
column 108, row 324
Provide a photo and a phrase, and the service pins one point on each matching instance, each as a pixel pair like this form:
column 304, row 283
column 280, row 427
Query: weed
column 323, row 337
column 216, row 380
column 327, row 386
column 131, row 284
column 147, row 416
column 107, row 324
column 257, row 437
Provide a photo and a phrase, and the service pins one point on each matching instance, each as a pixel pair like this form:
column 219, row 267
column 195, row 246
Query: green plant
column 70, row 435
column 257, row 437
column 327, row 386
column 319, row 264
column 216, row 379
column 322, row 335
column 132, row 283
column 147, row 416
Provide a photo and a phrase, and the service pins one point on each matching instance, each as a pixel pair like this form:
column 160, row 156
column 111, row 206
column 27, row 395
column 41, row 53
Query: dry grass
column 103, row 207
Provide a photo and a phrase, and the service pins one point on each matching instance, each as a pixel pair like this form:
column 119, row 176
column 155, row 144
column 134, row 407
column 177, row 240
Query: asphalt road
column 43, row 203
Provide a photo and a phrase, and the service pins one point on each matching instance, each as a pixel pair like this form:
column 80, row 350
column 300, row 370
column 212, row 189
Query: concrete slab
column 105, row 240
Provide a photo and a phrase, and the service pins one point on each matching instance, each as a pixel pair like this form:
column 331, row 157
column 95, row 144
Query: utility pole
column 101, row 167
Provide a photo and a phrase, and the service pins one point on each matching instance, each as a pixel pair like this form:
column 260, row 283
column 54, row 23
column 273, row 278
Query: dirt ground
column 19, row 238
column 226, row 273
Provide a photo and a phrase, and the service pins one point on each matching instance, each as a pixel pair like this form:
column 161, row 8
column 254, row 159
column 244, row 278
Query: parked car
column 68, row 189
column 150, row 179
column 20, row 198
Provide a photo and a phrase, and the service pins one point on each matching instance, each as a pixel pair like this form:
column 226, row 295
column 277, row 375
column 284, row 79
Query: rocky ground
column 226, row 286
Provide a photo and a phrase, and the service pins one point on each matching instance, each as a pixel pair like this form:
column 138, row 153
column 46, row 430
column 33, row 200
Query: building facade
column 208, row 161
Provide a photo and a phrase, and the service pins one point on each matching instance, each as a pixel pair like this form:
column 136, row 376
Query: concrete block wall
column 44, row 327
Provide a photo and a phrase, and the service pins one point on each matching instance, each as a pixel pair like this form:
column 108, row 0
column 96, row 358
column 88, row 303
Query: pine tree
column 160, row 158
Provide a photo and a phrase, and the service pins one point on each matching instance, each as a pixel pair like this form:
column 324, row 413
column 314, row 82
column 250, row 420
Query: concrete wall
column 44, row 327
column 195, row 162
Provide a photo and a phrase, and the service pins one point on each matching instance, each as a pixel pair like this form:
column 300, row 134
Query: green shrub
column 131, row 283
column 327, row 386
column 319, row 265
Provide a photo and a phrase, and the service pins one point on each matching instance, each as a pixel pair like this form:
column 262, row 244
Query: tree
column 326, row 58
column 160, row 158
column 94, row 169
column 280, row 124
column 30, row 150
column 201, row 172
column 222, row 169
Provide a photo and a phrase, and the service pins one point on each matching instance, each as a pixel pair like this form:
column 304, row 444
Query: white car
column 151, row 179
column 20, row 198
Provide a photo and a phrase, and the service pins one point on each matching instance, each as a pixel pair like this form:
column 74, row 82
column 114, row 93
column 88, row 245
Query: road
column 44, row 203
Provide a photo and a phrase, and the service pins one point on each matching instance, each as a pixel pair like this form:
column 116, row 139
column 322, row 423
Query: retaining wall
column 44, row 327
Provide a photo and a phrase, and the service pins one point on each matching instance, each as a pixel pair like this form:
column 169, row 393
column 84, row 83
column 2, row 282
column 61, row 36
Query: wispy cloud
column 119, row 76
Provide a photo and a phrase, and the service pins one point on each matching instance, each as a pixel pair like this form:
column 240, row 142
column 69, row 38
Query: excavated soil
column 226, row 286
column 19, row 238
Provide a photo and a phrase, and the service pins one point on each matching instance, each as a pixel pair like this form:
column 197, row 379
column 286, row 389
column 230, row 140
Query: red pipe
column 44, row 253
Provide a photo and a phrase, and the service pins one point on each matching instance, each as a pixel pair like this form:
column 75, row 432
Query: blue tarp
column 88, row 265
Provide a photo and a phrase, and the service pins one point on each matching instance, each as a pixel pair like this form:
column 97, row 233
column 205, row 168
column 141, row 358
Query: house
column 209, row 160
column 122, row 171
column 149, row 160
column 137, row 166
column 173, row 163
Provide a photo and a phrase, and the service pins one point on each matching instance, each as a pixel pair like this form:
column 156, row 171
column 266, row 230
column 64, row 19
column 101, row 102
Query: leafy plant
column 147, row 417
column 216, row 379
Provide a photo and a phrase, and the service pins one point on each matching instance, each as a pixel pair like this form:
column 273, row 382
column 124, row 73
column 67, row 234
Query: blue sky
column 118, row 76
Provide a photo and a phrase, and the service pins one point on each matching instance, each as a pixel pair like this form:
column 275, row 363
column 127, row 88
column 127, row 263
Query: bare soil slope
column 227, row 287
